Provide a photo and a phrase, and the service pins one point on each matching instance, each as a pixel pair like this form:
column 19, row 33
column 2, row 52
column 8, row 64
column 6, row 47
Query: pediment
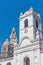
column 25, row 42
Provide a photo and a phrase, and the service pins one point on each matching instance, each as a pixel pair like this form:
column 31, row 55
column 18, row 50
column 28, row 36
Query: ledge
column 10, row 58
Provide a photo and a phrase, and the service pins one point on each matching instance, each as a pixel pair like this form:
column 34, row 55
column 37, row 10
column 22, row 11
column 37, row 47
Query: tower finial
column 21, row 14
column 39, row 15
column 13, row 28
column 31, row 9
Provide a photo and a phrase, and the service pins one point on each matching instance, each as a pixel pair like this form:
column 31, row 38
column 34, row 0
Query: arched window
column 9, row 63
column 26, row 23
column 26, row 61
column 36, row 24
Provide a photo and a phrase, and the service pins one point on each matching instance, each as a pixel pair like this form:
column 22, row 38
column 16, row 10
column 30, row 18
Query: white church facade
column 29, row 51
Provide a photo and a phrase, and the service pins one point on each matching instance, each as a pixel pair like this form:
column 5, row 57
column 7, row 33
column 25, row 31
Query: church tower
column 13, row 38
column 30, row 26
column 29, row 51
column 5, row 46
column 30, row 38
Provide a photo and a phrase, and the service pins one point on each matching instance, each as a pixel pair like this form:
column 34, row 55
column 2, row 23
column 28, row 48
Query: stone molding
column 26, row 48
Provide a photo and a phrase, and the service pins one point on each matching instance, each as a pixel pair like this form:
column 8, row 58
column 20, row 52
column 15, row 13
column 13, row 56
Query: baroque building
column 29, row 50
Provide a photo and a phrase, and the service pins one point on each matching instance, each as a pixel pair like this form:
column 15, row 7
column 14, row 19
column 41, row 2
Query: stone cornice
column 29, row 14
column 29, row 27
column 26, row 49
column 6, row 59
column 23, row 16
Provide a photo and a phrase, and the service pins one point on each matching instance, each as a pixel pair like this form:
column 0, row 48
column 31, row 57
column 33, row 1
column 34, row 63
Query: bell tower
column 13, row 38
column 30, row 25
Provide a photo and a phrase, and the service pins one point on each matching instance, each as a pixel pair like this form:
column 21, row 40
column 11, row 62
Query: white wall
column 41, row 58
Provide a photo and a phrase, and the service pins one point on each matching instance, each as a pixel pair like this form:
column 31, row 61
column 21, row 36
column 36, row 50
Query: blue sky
column 9, row 15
